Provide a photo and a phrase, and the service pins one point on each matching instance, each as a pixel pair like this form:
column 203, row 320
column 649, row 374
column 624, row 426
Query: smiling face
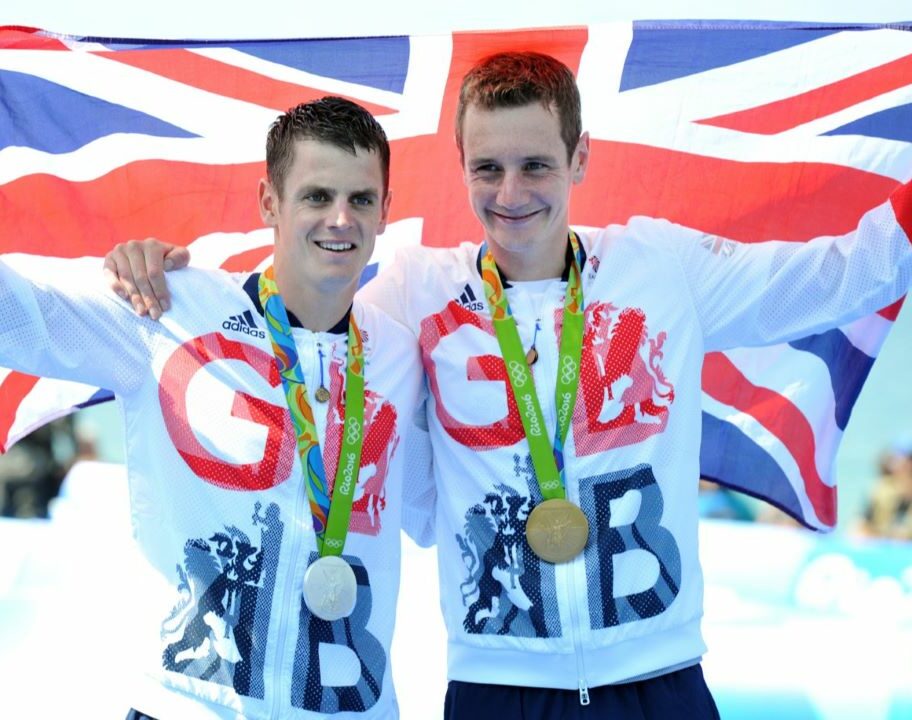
column 519, row 178
column 326, row 218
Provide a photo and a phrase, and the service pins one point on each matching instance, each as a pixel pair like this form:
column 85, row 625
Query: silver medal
column 330, row 588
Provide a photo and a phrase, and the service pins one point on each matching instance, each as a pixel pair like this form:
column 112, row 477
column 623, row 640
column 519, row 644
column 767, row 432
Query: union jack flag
column 746, row 131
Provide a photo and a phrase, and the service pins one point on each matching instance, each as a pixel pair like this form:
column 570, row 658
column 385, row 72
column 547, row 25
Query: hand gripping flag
column 745, row 131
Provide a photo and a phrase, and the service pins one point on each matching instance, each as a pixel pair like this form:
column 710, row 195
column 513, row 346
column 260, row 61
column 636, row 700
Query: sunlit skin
column 519, row 180
column 325, row 224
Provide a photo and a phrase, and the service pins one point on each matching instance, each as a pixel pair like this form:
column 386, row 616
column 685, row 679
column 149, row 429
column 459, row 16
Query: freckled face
column 519, row 179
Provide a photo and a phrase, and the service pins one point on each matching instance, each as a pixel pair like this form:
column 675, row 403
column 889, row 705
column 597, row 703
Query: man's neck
column 316, row 309
column 524, row 265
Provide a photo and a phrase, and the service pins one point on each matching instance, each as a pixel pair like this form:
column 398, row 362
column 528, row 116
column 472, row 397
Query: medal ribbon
column 330, row 516
column 547, row 457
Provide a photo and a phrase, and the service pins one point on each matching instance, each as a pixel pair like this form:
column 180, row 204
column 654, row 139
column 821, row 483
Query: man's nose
column 512, row 191
column 340, row 216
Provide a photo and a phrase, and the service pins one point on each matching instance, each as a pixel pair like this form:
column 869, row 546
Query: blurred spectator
column 33, row 469
column 717, row 501
column 889, row 510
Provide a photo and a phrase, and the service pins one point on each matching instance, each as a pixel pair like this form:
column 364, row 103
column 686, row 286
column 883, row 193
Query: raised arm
column 773, row 292
column 56, row 320
column 135, row 270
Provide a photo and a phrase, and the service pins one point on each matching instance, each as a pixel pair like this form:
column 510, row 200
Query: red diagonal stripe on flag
column 13, row 390
column 727, row 384
column 220, row 78
column 786, row 114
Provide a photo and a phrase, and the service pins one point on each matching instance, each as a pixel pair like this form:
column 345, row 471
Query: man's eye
column 487, row 169
column 362, row 200
column 316, row 197
column 535, row 165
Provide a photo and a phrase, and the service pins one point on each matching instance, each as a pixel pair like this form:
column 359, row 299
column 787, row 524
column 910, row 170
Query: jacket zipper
column 569, row 571
column 279, row 685
column 575, row 632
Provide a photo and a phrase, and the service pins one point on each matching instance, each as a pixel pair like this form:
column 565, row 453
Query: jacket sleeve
column 419, row 492
column 769, row 292
column 66, row 326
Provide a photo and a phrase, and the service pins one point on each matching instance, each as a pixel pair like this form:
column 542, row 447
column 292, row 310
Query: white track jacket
column 657, row 297
column 219, row 509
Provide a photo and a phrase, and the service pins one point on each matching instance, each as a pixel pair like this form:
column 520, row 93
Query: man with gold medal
column 556, row 529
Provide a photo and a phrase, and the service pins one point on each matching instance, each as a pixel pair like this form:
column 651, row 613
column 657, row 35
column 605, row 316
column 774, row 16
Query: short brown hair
column 333, row 120
column 514, row 79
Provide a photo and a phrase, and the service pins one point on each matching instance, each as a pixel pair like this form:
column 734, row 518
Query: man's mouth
column 335, row 246
column 513, row 218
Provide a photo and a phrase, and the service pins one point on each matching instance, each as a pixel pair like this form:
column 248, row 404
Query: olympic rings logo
column 550, row 485
column 333, row 543
column 352, row 431
column 518, row 374
column 568, row 369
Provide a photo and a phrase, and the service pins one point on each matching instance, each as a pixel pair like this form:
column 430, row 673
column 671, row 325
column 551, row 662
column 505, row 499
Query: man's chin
column 512, row 242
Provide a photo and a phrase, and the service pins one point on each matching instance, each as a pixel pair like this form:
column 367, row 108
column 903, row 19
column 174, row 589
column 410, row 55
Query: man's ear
column 384, row 212
column 268, row 202
column 579, row 163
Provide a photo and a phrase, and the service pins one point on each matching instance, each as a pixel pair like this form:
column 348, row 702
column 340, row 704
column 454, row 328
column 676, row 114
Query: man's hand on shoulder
column 135, row 271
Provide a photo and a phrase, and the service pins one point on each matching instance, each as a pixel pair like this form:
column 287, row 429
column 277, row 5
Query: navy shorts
column 680, row 694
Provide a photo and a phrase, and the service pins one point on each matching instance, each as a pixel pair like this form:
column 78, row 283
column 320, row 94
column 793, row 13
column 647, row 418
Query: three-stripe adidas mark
column 244, row 323
column 468, row 299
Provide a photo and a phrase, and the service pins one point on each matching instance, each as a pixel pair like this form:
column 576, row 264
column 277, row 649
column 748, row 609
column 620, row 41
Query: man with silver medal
column 320, row 296
column 326, row 199
column 329, row 586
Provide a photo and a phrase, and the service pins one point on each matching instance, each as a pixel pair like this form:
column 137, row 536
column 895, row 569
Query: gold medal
column 321, row 394
column 557, row 530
